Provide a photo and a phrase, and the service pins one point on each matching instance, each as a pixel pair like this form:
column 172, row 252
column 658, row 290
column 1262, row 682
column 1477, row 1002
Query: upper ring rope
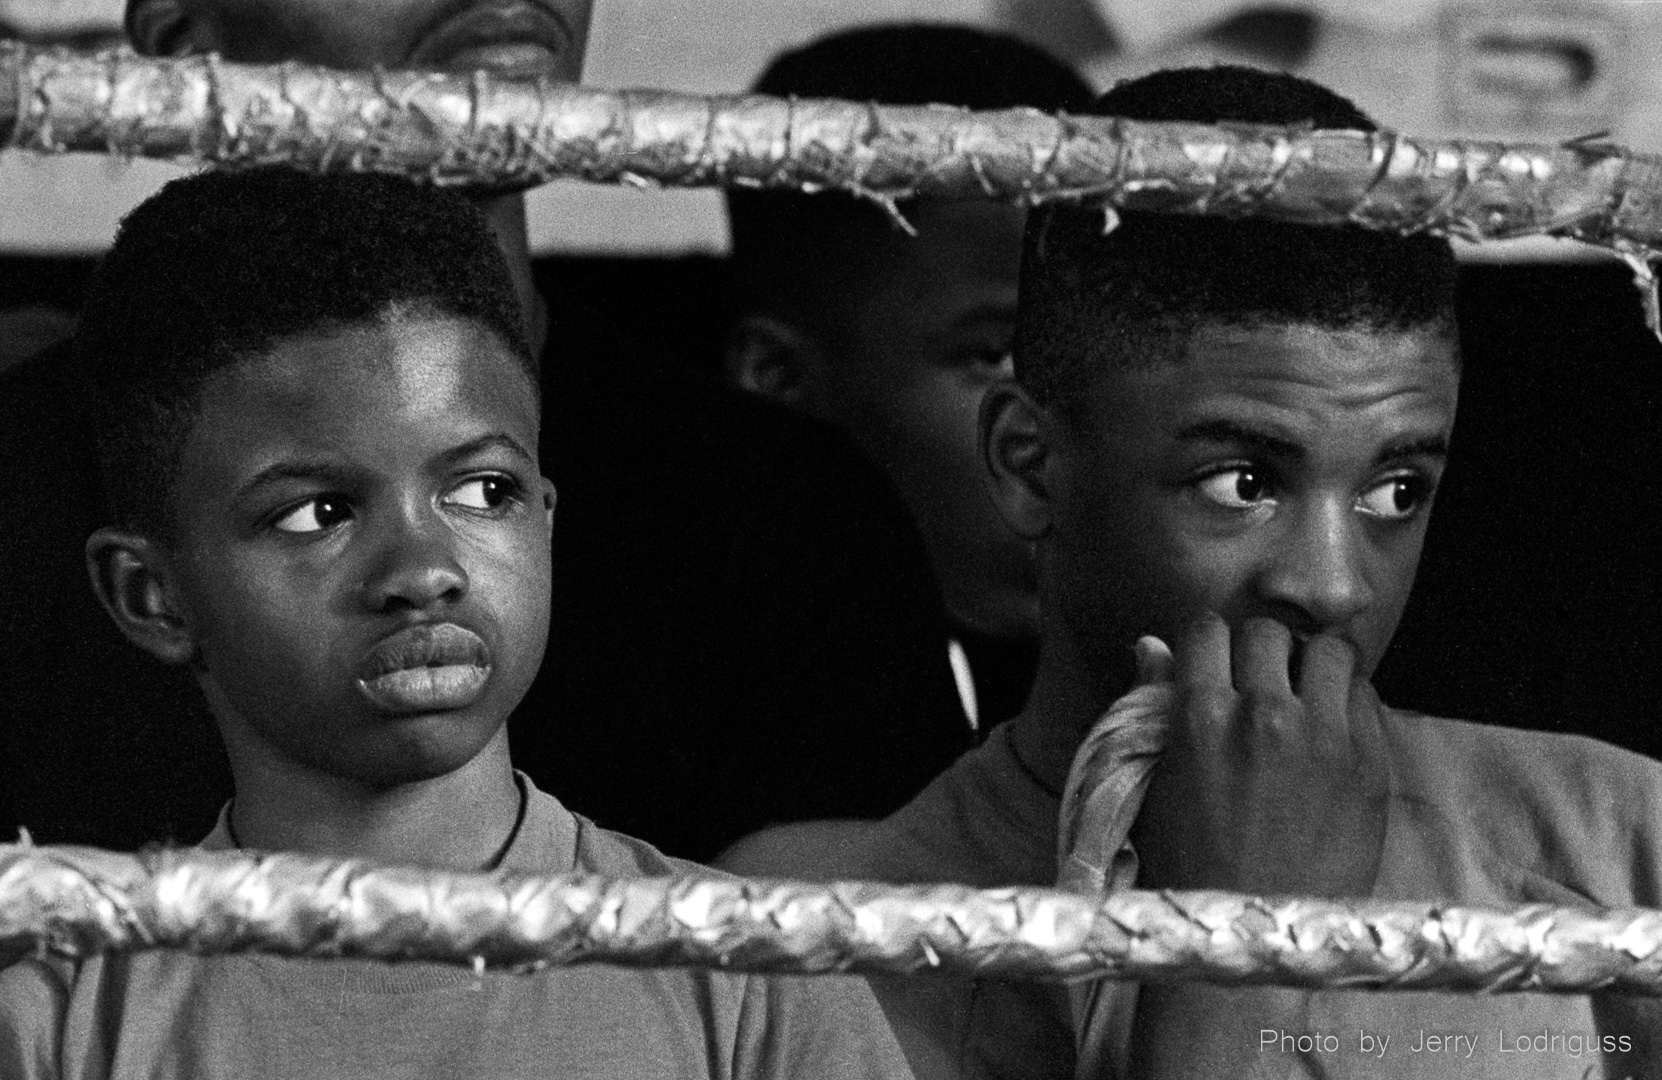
column 482, row 129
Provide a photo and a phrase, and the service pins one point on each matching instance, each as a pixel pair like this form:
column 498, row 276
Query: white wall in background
column 702, row 47
column 1540, row 70
column 39, row 18
column 1516, row 70
column 71, row 205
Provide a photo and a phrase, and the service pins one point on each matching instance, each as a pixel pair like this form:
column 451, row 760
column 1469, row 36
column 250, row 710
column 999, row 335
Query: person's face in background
column 544, row 38
column 510, row 37
column 906, row 338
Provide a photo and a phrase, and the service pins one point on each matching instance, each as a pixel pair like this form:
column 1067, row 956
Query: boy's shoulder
column 1441, row 752
column 555, row 840
column 609, row 853
column 1556, row 809
column 784, row 1025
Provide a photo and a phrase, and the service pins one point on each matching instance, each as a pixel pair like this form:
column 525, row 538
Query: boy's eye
column 1395, row 497
column 482, row 493
column 314, row 515
column 1237, row 489
column 997, row 362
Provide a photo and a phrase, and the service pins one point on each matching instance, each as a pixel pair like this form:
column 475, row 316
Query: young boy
column 743, row 605
column 1229, row 434
column 745, row 626
column 319, row 417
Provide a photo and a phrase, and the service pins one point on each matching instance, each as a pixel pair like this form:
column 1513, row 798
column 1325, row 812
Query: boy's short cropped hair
column 221, row 265
column 778, row 236
column 1091, row 300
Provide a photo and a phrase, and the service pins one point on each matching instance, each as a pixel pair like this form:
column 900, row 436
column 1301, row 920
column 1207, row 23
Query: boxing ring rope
column 479, row 129
column 79, row 901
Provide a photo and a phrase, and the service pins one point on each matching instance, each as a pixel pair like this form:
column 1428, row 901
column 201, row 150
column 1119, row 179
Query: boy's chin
column 394, row 751
column 360, row 741
column 408, row 764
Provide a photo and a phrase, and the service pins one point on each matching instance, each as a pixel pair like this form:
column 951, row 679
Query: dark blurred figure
column 1539, row 602
column 895, row 338
column 98, row 744
column 29, row 329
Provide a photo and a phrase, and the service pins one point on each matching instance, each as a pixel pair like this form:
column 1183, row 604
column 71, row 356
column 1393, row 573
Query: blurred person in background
column 894, row 338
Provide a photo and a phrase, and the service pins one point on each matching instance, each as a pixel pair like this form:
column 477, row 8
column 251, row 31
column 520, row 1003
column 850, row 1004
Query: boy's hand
column 1265, row 788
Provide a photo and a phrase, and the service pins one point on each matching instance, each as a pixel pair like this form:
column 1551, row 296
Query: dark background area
column 1537, row 600
column 1537, row 603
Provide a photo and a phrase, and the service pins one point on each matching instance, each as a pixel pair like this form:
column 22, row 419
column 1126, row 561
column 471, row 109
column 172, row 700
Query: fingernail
column 1143, row 650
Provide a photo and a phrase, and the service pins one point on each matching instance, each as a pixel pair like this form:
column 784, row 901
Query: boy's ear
column 549, row 497
column 170, row 28
column 1018, row 458
column 768, row 356
column 131, row 578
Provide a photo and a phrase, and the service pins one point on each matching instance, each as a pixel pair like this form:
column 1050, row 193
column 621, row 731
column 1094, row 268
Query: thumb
column 1154, row 661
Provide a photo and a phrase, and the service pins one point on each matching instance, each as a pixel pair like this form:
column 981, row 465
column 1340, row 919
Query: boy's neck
column 506, row 215
column 1069, row 695
column 460, row 821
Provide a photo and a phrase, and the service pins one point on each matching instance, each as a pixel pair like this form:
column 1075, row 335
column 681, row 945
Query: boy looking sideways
column 319, row 419
column 1229, row 434
column 743, row 605
column 743, row 615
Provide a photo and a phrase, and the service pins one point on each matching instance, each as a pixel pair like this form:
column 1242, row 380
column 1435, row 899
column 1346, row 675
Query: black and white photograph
column 830, row 539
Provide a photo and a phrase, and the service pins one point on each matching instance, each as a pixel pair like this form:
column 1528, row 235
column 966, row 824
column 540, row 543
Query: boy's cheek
column 516, row 587
column 522, row 558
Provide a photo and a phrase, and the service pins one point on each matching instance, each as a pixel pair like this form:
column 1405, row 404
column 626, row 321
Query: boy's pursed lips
column 430, row 667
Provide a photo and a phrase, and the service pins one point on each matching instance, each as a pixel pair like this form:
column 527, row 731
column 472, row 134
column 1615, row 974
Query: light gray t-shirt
column 1480, row 815
column 169, row 1014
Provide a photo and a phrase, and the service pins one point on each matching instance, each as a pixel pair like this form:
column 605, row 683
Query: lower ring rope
column 80, row 901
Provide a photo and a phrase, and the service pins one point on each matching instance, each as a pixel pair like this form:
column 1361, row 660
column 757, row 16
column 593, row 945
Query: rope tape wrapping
column 80, row 901
column 480, row 129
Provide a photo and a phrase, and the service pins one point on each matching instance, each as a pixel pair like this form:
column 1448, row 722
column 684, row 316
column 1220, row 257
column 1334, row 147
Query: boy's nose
column 1316, row 577
column 417, row 569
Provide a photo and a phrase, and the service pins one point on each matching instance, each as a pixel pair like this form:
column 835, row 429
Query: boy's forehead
column 1339, row 352
column 1338, row 369
column 348, row 382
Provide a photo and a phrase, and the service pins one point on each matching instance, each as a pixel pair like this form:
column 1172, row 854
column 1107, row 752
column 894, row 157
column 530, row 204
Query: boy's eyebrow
column 496, row 440
column 1427, row 446
column 992, row 311
column 315, row 468
column 293, row 469
column 1231, row 431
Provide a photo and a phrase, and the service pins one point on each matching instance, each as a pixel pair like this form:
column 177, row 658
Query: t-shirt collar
column 546, row 841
